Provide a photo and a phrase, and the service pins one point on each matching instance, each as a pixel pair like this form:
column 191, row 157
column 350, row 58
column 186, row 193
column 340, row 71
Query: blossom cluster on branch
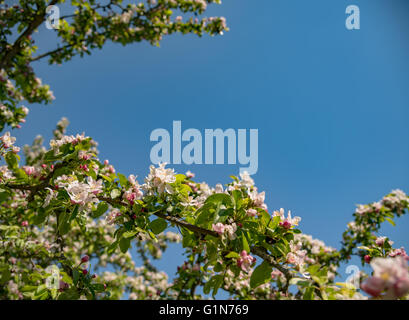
column 67, row 208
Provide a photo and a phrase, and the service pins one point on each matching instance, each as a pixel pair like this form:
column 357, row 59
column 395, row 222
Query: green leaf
column 100, row 210
column 122, row 179
column 299, row 281
column 4, row 196
column 204, row 216
column 98, row 287
column 124, row 244
column 91, row 173
column 206, row 288
column 313, row 269
column 40, row 217
column 75, row 276
column 106, row 177
column 232, row 254
column 66, row 278
column 276, row 220
column 74, row 212
column 112, row 247
column 5, row 276
column 218, row 267
column 237, row 196
column 11, row 159
column 261, row 274
column 180, row 178
column 218, row 282
column 28, row 288
column 129, row 234
column 219, row 198
column 70, row 294
column 158, row 225
column 309, row 294
column 184, row 190
column 245, row 243
column 64, row 225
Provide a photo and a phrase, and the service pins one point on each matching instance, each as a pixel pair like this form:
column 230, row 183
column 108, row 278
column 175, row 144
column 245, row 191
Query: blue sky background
column 331, row 105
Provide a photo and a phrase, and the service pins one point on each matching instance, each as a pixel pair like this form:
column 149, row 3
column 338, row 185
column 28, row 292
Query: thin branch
column 51, row 52
column 36, row 188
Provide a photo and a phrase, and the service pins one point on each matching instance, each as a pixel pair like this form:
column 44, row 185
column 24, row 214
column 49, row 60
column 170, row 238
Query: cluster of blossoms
column 368, row 208
column 315, row 251
column 246, row 261
column 316, row 246
column 361, row 232
column 288, row 222
column 228, row 230
column 297, row 255
column 56, row 144
column 396, row 201
column 7, row 142
column 159, row 180
column 247, row 183
column 390, row 276
column 83, row 193
column 399, row 252
column 393, row 201
column 134, row 192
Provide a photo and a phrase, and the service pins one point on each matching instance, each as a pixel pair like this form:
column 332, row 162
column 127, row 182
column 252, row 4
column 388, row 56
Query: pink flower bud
column 29, row 170
column 286, row 224
column 85, row 259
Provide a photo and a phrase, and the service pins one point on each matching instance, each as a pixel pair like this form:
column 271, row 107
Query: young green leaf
column 261, row 274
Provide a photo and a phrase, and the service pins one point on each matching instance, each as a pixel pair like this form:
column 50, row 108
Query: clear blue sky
column 331, row 105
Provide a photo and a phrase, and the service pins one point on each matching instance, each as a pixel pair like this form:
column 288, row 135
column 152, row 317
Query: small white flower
column 7, row 140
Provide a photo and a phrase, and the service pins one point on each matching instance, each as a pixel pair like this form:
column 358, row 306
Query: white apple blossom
column 95, row 186
column 80, row 193
column 258, row 198
column 7, row 140
column 159, row 179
